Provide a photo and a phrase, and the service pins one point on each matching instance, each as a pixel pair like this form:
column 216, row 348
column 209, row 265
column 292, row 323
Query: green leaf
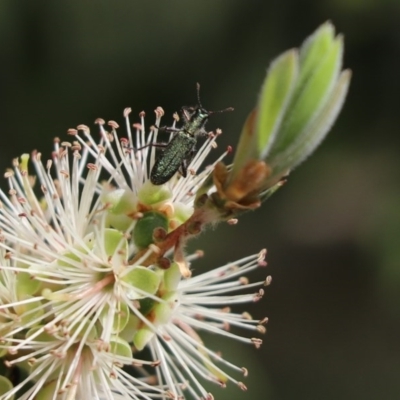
column 313, row 47
column 308, row 101
column 274, row 98
column 317, row 130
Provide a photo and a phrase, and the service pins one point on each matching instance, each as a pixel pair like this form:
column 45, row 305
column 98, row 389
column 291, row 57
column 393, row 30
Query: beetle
column 178, row 153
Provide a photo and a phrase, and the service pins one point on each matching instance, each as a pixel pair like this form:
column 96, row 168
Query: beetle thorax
column 197, row 121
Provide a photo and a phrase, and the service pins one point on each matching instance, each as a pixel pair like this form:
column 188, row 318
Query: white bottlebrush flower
column 69, row 286
column 201, row 304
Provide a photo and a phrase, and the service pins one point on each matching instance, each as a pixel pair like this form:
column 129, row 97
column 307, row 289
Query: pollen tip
column 159, row 112
column 199, row 253
column 243, row 280
column 76, row 146
column 261, row 257
column 84, row 128
column 261, row 329
column 246, row 315
column 127, row 111
column 113, row 124
column 71, row 132
column 142, row 114
column 166, row 337
column 257, row 342
column 99, row 121
column 91, row 166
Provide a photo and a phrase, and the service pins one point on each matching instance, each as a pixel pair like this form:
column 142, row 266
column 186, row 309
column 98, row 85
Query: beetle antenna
column 209, row 112
column 198, row 95
column 221, row 111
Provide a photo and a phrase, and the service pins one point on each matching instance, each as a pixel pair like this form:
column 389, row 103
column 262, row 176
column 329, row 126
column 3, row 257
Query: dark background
column 332, row 232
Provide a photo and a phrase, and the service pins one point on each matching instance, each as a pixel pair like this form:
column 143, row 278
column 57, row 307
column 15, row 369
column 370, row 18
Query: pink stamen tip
column 113, row 124
column 83, row 128
column 127, row 111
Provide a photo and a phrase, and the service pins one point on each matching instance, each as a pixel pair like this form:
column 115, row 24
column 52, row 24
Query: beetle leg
column 186, row 162
column 166, row 129
column 183, row 169
column 161, row 145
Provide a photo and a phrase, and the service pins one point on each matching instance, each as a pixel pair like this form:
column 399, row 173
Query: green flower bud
column 145, row 226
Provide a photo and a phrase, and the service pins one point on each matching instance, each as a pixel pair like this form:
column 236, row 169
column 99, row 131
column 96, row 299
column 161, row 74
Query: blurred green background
column 332, row 232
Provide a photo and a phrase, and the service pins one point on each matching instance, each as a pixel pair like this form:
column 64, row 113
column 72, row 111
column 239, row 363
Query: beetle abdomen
column 168, row 162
